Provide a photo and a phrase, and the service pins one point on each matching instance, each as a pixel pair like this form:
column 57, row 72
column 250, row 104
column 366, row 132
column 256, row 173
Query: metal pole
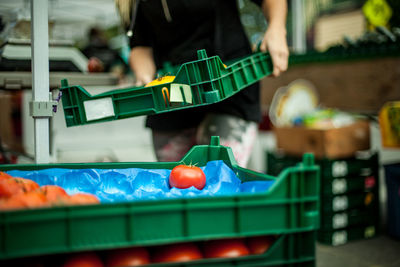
column 299, row 35
column 40, row 75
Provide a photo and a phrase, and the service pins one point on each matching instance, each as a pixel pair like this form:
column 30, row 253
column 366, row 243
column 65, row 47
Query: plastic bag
column 132, row 184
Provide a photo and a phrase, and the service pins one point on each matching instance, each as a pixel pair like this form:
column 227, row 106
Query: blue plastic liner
column 132, row 184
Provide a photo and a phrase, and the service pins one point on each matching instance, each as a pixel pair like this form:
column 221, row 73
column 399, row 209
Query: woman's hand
column 143, row 78
column 275, row 37
column 275, row 42
column 142, row 64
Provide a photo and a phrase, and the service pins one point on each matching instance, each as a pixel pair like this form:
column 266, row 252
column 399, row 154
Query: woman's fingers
column 275, row 43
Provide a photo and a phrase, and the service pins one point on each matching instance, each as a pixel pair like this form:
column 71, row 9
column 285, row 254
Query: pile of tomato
column 138, row 184
column 21, row 193
column 171, row 253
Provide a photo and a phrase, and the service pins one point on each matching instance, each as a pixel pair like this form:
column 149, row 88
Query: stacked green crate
column 349, row 196
column 289, row 210
column 349, row 199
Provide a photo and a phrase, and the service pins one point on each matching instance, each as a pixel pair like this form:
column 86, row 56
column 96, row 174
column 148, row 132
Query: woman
column 173, row 31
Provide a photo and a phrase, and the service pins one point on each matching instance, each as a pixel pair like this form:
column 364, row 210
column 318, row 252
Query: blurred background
column 345, row 58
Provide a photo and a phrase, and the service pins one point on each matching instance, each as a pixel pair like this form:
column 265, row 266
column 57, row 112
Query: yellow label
column 368, row 199
column 161, row 80
column 369, row 231
column 389, row 124
column 378, row 12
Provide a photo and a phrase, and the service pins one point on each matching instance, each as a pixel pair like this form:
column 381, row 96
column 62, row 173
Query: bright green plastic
column 296, row 249
column 207, row 79
column 291, row 205
column 197, row 83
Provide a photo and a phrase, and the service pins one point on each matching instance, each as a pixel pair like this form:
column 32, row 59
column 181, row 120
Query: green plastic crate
column 197, row 83
column 277, row 162
column 349, row 218
column 290, row 205
column 355, row 166
column 330, row 168
column 346, row 185
column 343, row 236
column 343, row 202
column 338, row 177
column 297, row 249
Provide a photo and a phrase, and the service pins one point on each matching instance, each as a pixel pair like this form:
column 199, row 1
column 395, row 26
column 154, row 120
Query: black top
column 213, row 25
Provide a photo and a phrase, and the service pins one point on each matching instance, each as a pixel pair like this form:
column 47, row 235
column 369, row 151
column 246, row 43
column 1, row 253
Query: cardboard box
column 329, row 143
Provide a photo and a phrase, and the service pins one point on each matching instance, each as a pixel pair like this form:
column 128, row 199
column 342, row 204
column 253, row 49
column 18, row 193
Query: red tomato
column 14, row 186
column 177, row 253
column 184, row 176
column 8, row 204
column 27, row 184
column 4, row 175
column 33, row 199
column 10, row 187
column 259, row 244
column 225, row 248
column 87, row 259
column 54, row 194
column 136, row 256
column 83, row 199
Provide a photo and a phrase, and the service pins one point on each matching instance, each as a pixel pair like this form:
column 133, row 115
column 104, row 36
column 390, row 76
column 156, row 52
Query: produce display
column 158, row 255
column 57, row 187
column 159, row 213
column 21, row 193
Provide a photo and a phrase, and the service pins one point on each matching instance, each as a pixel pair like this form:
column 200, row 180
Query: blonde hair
column 124, row 8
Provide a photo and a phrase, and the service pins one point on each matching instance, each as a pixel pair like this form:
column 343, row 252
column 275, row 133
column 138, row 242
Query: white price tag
column 99, row 108
column 339, row 220
column 339, row 238
column 339, row 169
column 340, row 203
column 339, row 186
column 181, row 93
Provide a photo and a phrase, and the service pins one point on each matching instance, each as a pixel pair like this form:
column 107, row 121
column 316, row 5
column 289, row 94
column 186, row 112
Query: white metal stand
column 40, row 78
column 299, row 33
